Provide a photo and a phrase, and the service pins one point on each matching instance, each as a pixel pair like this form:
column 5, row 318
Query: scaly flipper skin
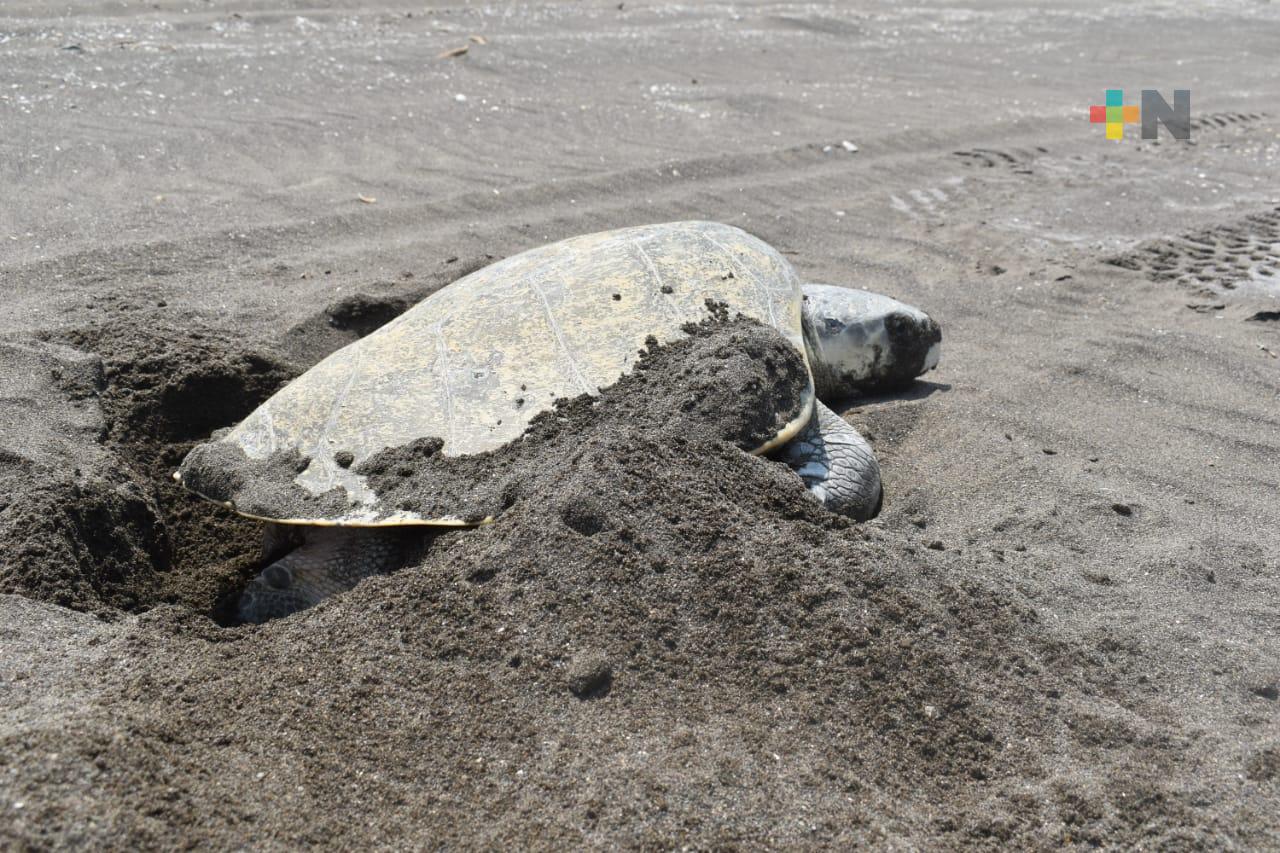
column 330, row 560
column 836, row 464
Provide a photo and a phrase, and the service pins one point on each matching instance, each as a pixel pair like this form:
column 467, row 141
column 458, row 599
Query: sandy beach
column 1063, row 630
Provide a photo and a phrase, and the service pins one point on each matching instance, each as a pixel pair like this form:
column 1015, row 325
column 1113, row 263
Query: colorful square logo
column 1114, row 114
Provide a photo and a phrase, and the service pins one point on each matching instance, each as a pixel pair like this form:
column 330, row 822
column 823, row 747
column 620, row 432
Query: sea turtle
column 471, row 365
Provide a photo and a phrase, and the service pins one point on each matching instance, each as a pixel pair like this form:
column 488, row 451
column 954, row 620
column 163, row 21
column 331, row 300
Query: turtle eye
column 277, row 577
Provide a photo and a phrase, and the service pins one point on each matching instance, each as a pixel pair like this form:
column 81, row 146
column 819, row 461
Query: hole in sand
column 583, row 518
column 118, row 533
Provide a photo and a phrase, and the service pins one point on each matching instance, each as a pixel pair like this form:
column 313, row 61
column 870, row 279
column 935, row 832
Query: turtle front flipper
column 329, row 560
column 837, row 465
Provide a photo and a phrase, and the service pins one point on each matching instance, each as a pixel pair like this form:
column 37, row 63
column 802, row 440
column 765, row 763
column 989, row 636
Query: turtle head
column 862, row 342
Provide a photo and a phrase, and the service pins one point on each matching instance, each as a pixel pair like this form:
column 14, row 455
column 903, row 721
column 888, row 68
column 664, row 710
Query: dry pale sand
column 1064, row 630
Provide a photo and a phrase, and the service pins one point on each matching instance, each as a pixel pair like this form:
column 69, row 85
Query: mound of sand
column 663, row 639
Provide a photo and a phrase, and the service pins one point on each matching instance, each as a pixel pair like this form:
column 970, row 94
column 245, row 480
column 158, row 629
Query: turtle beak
column 865, row 342
column 915, row 345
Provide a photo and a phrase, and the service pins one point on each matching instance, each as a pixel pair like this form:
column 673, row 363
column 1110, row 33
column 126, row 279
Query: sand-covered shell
column 474, row 362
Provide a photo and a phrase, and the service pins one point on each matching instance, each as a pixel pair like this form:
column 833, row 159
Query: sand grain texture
column 1060, row 632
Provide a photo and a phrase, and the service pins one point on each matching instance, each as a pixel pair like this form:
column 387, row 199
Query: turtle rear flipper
column 329, row 560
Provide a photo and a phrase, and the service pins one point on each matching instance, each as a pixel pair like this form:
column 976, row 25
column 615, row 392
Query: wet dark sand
column 1061, row 631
